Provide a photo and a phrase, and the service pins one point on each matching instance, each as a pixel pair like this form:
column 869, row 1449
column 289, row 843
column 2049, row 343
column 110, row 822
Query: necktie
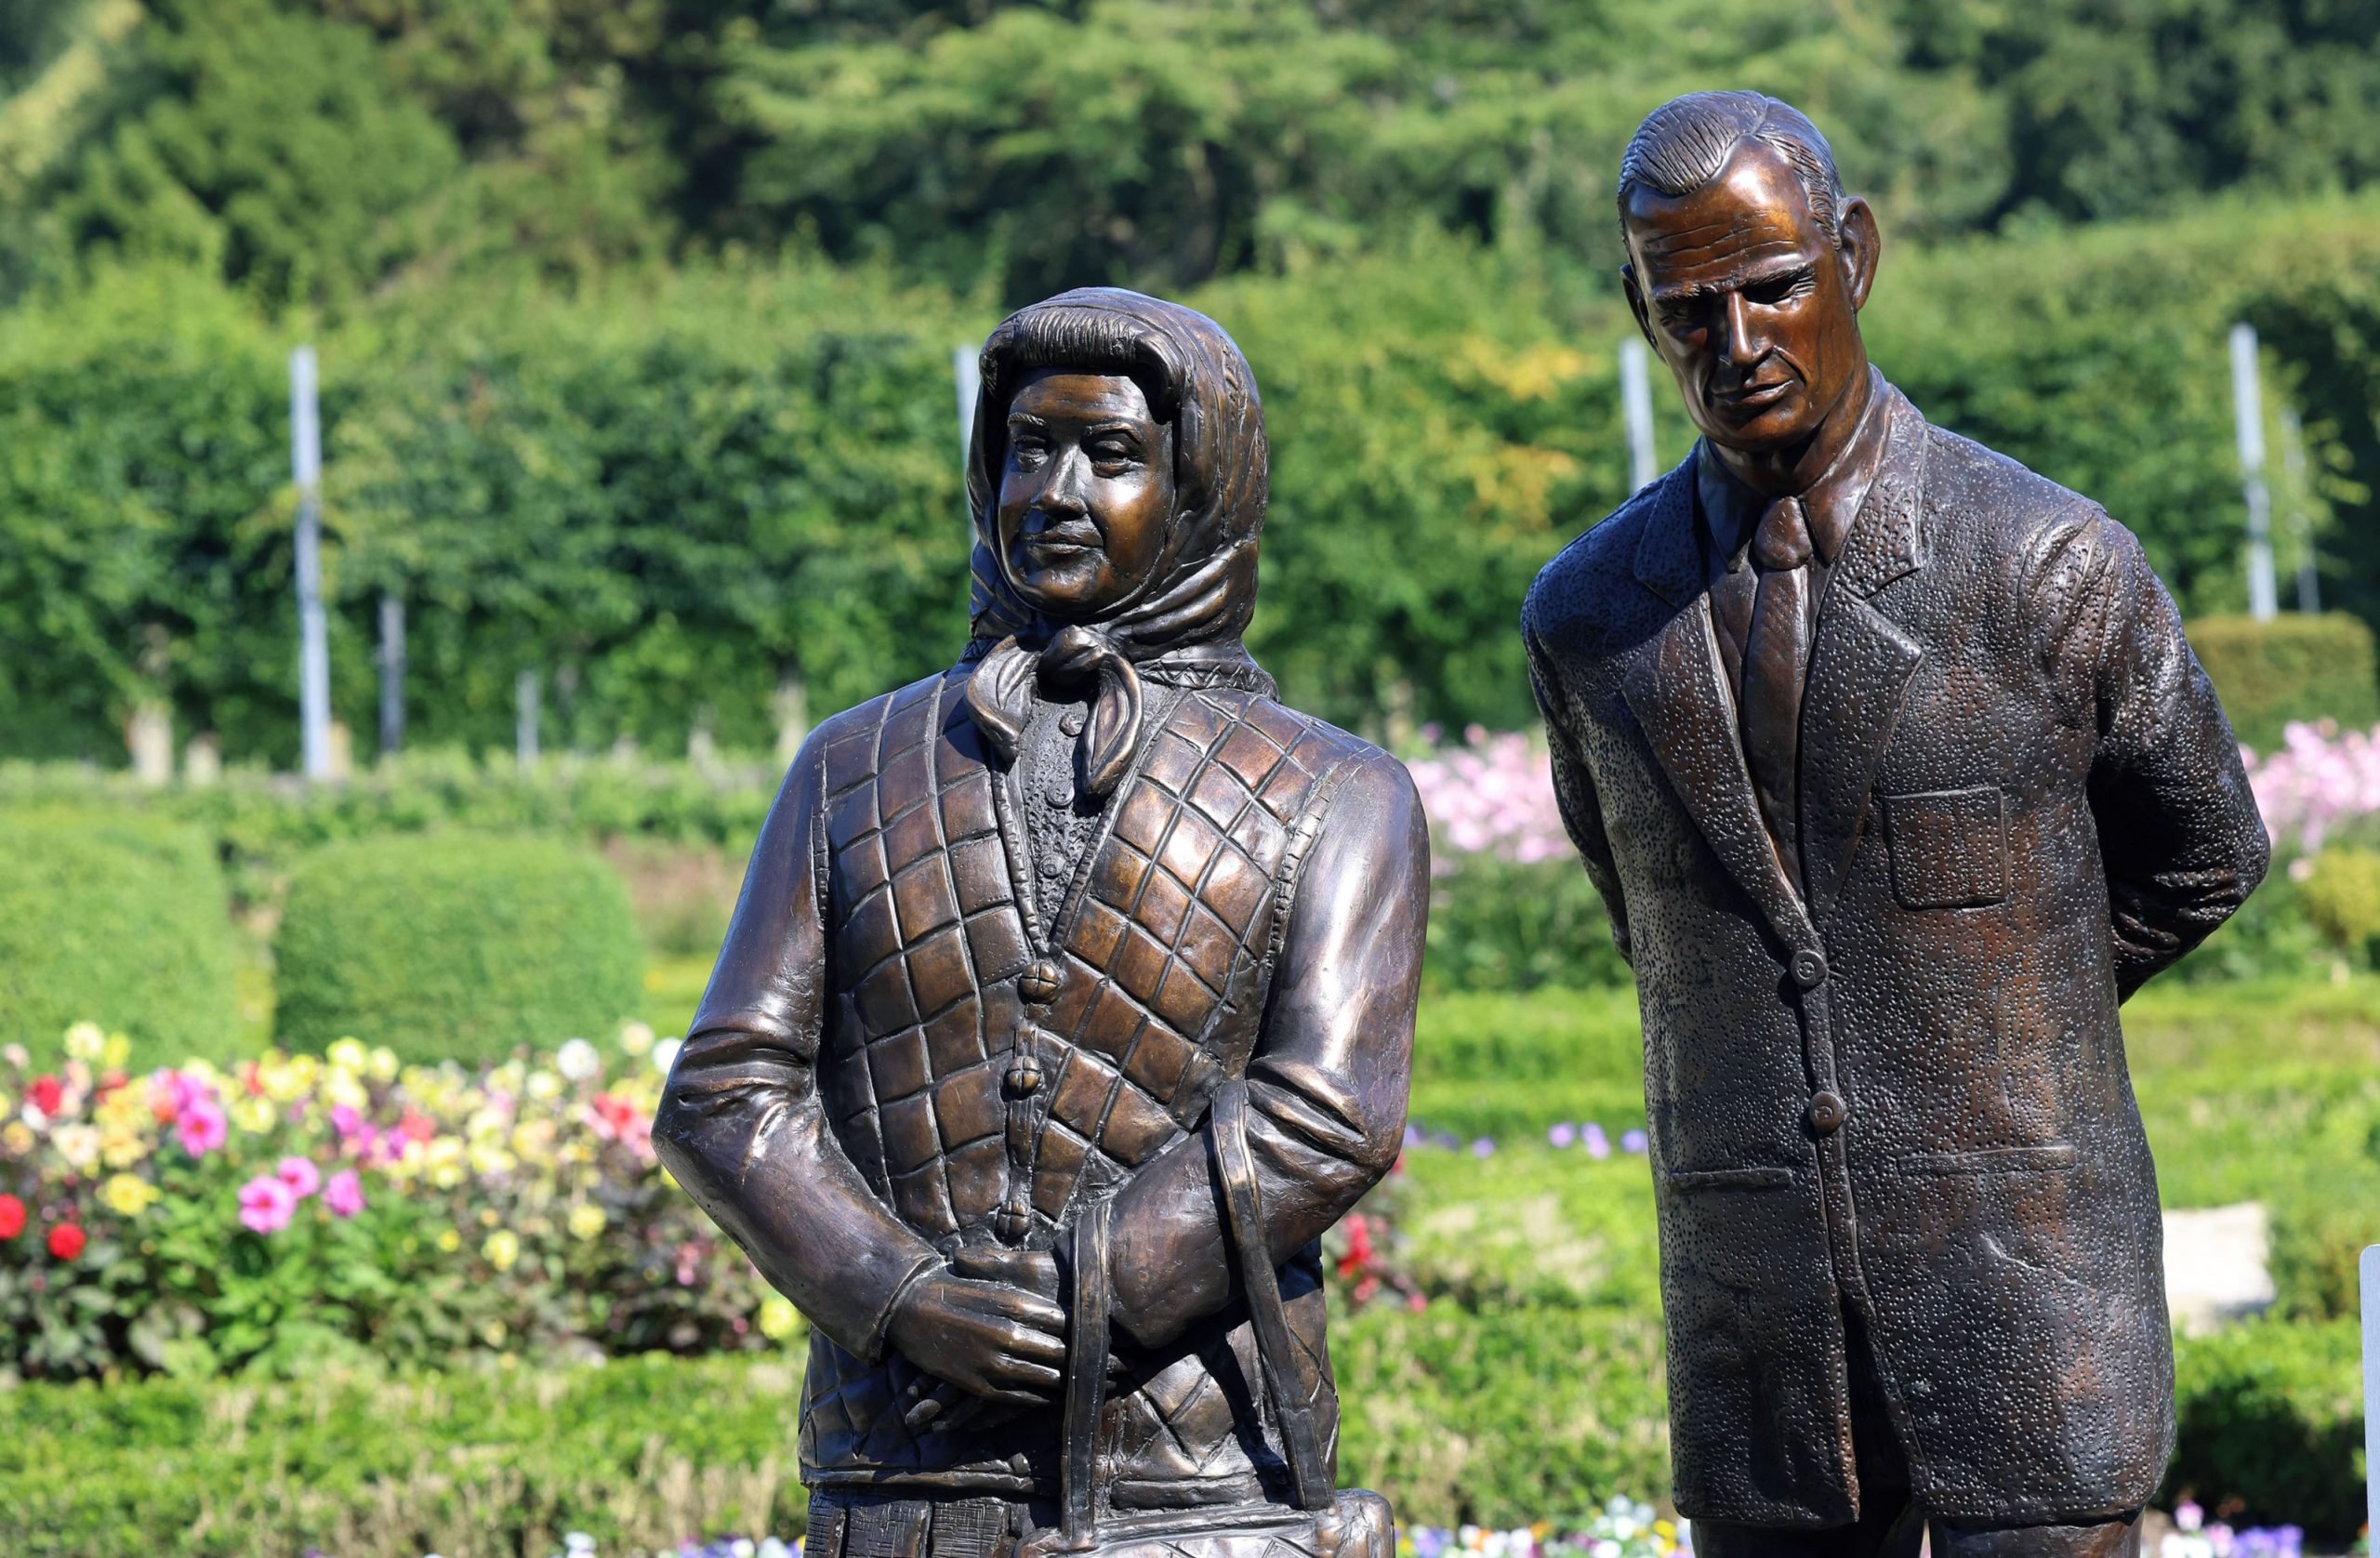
column 1777, row 656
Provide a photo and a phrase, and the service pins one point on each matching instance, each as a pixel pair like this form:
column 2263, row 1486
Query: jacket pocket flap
column 2053, row 1157
column 1729, row 1179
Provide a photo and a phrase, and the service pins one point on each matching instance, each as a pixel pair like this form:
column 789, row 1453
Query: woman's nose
column 1066, row 494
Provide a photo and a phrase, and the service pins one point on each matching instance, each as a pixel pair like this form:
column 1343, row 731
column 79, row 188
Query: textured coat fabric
column 1904, row 1089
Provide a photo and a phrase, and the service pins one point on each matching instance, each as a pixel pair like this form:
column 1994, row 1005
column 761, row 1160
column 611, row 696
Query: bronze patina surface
column 1008, row 935
column 1893, row 767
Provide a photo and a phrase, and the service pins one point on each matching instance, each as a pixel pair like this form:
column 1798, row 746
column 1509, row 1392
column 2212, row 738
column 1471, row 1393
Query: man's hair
column 1686, row 143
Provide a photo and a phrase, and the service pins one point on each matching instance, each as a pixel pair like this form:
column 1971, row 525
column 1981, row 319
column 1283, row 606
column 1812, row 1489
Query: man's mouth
column 1752, row 397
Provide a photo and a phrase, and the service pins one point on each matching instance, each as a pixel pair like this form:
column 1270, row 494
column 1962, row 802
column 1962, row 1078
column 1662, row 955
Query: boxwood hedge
column 455, row 946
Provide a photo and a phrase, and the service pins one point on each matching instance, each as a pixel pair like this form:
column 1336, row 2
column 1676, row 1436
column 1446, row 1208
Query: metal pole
column 313, row 633
column 524, row 719
column 967, row 373
column 392, row 673
column 1636, row 411
column 2248, row 419
column 2372, row 1385
column 2301, row 521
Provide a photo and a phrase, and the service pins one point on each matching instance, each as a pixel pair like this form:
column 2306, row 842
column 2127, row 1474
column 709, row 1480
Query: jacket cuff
column 872, row 1343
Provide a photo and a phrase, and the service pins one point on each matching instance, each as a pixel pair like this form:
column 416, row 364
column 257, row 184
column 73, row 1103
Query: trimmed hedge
column 454, row 946
column 2272, row 1416
column 119, row 919
column 2295, row 666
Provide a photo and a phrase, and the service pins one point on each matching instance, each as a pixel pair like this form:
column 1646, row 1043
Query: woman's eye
column 1111, row 452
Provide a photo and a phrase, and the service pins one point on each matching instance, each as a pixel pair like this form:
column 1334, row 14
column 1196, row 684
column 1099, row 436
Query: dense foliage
column 636, row 319
column 111, row 915
column 453, row 945
column 2297, row 667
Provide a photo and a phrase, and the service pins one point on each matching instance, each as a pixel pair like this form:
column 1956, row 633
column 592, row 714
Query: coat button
column 1810, row 969
column 1039, row 983
column 1827, row 1112
column 1023, row 1078
column 1060, row 795
column 1071, row 723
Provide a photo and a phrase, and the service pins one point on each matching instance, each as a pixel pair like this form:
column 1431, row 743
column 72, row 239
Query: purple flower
column 1598, row 1145
column 343, row 1193
column 266, row 1205
column 301, row 1175
column 1484, row 1147
column 1562, row 1135
column 1414, row 1138
column 1635, row 1141
column 347, row 1122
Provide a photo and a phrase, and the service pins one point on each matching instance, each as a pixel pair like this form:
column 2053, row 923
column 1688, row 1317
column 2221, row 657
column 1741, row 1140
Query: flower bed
column 286, row 1212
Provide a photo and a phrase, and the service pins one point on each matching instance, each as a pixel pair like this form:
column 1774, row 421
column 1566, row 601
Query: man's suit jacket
column 1907, row 1092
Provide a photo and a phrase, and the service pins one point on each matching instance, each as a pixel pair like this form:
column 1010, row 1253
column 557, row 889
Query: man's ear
column 1861, row 245
column 1636, row 304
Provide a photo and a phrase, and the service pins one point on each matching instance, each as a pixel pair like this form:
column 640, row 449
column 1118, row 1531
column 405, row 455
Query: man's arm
column 741, row 1125
column 1574, row 792
column 1327, row 1084
column 2180, row 831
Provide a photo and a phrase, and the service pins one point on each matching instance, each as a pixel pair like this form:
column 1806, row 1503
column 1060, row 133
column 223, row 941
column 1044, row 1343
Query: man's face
column 1753, row 307
column 1086, row 494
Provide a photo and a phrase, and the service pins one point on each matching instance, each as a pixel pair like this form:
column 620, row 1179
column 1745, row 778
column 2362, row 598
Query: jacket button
column 1810, row 969
column 1039, row 979
column 1827, row 1113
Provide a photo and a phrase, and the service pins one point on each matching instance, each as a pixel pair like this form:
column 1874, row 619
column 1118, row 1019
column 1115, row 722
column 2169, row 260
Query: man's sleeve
column 741, row 1125
column 1327, row 1082
column 1574, row 792
column 2180, row 831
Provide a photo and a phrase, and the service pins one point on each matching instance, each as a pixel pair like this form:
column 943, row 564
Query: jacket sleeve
column 741, row 1125
column 1574, row 792
column 2180, row 831
column 1328, row 1078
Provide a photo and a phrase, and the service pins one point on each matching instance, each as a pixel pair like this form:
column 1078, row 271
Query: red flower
column 66, row 1241
column 12, row 1217
column 47, row 1093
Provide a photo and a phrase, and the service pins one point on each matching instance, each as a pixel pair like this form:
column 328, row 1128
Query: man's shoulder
column 1973, row 480
column 1592, row 582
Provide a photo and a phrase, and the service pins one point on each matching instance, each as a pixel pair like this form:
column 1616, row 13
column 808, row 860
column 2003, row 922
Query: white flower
column 664, row 1054
column 635, row 1038
column 577, row 1060
column 84, row 1041
column 576, row 1542
column 772, row 1548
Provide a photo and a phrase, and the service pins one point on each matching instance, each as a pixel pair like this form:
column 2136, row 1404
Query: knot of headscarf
column 1183, row 627
column 1000, row 697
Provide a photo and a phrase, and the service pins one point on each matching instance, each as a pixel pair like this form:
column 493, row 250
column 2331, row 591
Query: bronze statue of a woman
column 1069, row 1000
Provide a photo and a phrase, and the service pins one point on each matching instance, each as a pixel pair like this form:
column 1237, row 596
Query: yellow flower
column 18, row 1137
column 779, row 1319
column 342, row 1086
column 502, row 1248
column 128, row 1194
column 287, row 1078
column 381, row 1065
column 489, row 1157
column 121, row 1149
column 253, row 1115
column 349, row 1054
column 86, row 1042
column 636, row 1039
column 586, row 1220
column 449, row 1240
column 118, row 1052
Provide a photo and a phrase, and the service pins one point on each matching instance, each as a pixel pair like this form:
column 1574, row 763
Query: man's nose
column 1742, row 346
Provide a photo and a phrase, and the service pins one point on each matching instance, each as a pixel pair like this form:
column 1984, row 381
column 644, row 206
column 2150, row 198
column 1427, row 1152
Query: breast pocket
column 1948, row 848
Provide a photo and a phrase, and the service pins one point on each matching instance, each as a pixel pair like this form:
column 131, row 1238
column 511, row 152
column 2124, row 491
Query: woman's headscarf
column 1183, row 625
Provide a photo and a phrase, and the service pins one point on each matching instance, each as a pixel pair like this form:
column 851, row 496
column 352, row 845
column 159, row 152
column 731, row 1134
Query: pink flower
column 301, row 1175
column 266, row 1205
column 343, row 1193
column 202, row 1127
column 347, row 1122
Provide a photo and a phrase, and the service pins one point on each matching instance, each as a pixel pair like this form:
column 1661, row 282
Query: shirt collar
column 1730, row 509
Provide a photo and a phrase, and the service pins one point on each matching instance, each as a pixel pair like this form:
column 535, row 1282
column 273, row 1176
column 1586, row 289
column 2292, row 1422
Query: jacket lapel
column 1672, row 684
column 1860, row 664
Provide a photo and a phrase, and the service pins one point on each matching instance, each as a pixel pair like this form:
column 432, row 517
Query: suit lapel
column 1860, row 664
column 1672, row 684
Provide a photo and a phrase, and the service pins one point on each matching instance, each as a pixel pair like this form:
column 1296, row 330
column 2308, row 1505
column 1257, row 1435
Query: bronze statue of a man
column 1897, row 776
column 1062, row 983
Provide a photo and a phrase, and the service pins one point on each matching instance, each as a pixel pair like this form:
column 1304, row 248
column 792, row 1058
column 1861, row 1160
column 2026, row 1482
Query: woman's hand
column 991, row 1339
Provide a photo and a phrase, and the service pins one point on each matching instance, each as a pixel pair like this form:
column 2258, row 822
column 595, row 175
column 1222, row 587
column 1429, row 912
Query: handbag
column 1322, row 1524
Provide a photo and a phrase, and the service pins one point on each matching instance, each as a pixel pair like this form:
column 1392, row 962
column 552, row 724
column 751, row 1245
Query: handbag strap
column 1262, row 1282
column 1088, row 1343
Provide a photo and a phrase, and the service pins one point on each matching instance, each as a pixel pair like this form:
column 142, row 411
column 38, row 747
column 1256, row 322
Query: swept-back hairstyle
column 1684, row 144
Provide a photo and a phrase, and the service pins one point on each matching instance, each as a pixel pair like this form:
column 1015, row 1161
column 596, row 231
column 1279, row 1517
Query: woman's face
column 1087, row 491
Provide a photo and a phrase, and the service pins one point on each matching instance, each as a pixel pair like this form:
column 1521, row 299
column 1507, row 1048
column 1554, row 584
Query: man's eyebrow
column 1025, row 420
column 1751, row 276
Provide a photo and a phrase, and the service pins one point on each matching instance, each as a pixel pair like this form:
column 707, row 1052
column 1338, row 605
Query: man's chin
column 1770, row 430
